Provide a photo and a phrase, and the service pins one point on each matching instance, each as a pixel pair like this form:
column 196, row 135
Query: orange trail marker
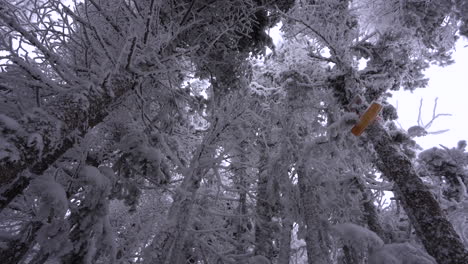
column 366, row 119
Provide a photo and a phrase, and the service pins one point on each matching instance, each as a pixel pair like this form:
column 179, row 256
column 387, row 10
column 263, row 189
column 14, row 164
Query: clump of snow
column 8, row 151
column 9, row 123
column 92, row 176
column 400, row 253
column 389, row 112
column 53, row 198
column 434, row 156
column 53, row 205
column 362, row 239
column 94, row 210
column 417, row 131
column 132, row 141
column 461, row 145
column 357, row 237
column 9, row 129
column 344, row 124
column 35, row 140
column 108, row 172
column 258, row 259
column 53, row 238
column 97, row 190
column 151, row 154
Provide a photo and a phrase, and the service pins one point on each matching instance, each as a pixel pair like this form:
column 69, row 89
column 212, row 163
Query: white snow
column 400, row 253
column 53, row 197
column 362, row 239
column 93, row 176
column 10, row 123
column 357, row 237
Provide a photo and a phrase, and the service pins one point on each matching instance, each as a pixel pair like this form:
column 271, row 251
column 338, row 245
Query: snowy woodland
column 175, row 132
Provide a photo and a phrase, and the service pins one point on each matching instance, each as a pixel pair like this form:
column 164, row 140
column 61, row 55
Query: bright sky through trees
column 450, row 85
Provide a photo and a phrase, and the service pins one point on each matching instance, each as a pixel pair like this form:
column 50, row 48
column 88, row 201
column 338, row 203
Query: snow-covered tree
column 164, row 131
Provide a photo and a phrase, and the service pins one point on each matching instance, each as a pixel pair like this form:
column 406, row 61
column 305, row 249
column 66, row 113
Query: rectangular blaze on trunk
column 366, row 119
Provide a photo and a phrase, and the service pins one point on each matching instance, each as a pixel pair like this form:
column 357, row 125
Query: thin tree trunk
column 240, row 220
column 242, row 206
column 168, row 244
column 285, row 242
column 179, row 220
column 370, row 212
column 263, row 232
column 288, row 211
column 317, row 238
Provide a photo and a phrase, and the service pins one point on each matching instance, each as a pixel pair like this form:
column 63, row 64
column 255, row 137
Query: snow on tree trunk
column 370, row 212
column 77, row 119
column 167, row 246
column 285, row 241
column 317, row 237
column 430, row 222
column 241, row 181
column 287, row 216
column 168, row 243
column 287, row 202
column 91, row 234
column 264, row 211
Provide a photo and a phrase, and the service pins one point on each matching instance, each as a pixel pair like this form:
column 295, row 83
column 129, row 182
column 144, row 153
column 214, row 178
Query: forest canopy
column 176, row 132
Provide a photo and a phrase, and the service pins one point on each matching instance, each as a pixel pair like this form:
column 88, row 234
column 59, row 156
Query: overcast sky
column 450, row 85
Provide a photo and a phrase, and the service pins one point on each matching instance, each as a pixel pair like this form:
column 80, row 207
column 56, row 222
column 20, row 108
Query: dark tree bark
column 76, row 119
column 430, row 222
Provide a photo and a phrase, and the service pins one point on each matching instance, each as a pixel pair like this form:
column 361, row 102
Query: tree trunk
column 288, row 209
column 370, row 212
column 317, row 238
column 239, row 220
column 168, row 245
column 263, row 231
column 430, row 222
column 349, row 256
column 285, row 242
column 76, row 118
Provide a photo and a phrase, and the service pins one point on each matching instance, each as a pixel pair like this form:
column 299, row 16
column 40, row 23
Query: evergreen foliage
column 175, row 132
